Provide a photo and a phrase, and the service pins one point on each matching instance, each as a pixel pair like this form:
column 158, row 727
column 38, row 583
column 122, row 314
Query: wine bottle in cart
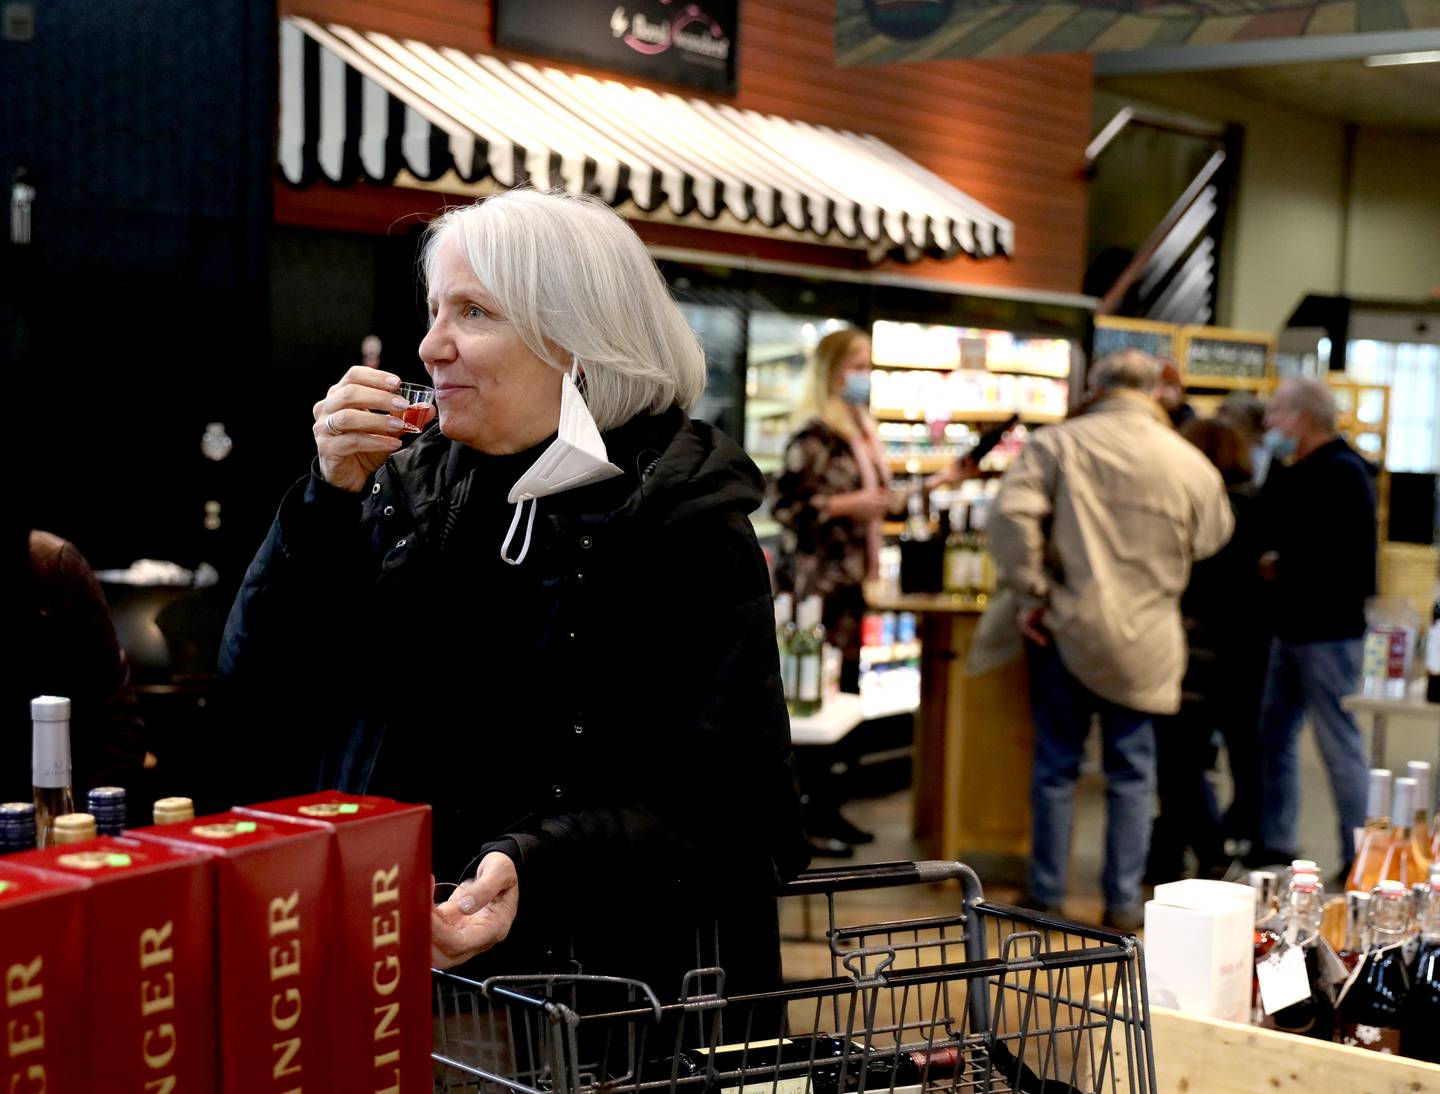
column 50, row 764
column 1357, row 917
column 1420, row 1016
column 1375, row 839
column 1293, row 990
column 1402, row 861
column 1269, row 924
column 1423, row 833
column 1370, row 1006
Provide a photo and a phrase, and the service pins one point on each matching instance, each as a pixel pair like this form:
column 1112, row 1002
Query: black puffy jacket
column 642, row 780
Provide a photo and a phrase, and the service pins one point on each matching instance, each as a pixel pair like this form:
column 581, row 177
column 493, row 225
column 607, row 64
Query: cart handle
column 882, row 875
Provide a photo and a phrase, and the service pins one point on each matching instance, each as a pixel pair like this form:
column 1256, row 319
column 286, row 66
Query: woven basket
column 1410, row 570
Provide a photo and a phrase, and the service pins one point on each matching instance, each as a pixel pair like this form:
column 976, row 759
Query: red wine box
column 274, row 905
column 149, row 953
column 44, row 979
column 382, row 972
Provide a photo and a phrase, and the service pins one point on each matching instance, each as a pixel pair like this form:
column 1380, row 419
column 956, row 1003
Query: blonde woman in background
column 832, row 495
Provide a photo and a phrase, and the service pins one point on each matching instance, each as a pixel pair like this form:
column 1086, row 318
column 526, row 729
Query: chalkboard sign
column 693, row 44
column 1156, row 339
column 1231, row 355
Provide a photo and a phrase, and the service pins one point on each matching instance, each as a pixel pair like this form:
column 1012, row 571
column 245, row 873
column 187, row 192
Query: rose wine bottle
column 1375, row 841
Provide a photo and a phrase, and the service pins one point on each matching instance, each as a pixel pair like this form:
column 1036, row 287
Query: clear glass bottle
column 1369, row 1011
column 784, row 639
column 1375, row 840
column 808, row 647
column 1420, row 1016
column 1357, row 916
column 1313, row 1016
column 957, row 554
column 50, row 764
column 1269, row 925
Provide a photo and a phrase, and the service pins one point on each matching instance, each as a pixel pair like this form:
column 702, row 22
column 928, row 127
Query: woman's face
column 856, row 360
column 492, row 392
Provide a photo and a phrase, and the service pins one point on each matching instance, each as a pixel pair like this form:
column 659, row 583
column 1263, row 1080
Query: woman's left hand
column 478, row 915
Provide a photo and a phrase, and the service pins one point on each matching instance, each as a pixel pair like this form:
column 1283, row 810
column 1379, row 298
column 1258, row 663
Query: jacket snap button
column 389, row 510
column 586, row 542
column 558, row 790
column 400, row 544
column 375, row 489
column 579, row 577
column 571, row 636
column 579, row 729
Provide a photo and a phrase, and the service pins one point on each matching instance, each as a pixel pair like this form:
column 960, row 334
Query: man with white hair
column 1095, row 527
column 1319, row 518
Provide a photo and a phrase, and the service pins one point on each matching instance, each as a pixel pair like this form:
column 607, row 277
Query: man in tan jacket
column 1095, row 527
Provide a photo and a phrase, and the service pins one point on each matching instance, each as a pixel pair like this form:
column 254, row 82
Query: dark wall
column 139, row 309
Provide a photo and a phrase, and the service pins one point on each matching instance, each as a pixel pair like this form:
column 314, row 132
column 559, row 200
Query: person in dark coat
column 547, row 615
column 1227, row 642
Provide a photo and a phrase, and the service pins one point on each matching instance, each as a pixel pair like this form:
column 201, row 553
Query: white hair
column 571, row 276
column 1308, row 396
column 1129, row 369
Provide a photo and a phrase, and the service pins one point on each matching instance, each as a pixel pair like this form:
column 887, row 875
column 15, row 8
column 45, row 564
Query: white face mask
column 575, row 458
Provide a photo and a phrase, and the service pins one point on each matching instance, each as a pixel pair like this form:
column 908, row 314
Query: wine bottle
column 173, row 810
column 1369, row 1009
column 1375, row 839
column 784, row 638
column 1357, row 915
column 73, row 828
column 50, row 764
column 1268, row 926
column 1420, row 1016
column 17, row 827
column 1424, row 775
column 808, row 646
column 107, row 806
column 1402, row 862
column 957, row 569
column 1314, row 1014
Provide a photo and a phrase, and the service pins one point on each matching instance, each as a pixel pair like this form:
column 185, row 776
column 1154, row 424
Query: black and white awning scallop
column 360, row 106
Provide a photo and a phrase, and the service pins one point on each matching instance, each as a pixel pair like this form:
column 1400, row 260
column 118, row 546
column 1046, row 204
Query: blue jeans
column 1311, row 677
column 1063, row 708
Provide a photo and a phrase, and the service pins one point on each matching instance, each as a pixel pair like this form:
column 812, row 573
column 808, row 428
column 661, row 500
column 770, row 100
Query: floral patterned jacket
column 818, row 554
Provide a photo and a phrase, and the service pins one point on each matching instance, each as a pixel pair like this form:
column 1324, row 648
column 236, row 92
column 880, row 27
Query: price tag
column 349, row 807
column 117, row 861
column 245, row 827
column 1283, row 979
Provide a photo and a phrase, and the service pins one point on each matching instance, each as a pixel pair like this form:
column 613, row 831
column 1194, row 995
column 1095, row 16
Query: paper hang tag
column 1332, row 970
column 1283, row 979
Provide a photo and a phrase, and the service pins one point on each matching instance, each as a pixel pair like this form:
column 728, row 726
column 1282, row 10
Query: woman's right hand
column 351, row 440
column 862, row 505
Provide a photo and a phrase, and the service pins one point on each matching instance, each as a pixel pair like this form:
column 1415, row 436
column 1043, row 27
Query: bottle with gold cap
column 50, row 764
column 74, row 827
column 174, row 810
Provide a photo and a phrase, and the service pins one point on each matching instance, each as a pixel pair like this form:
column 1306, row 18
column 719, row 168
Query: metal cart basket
column 984, row 997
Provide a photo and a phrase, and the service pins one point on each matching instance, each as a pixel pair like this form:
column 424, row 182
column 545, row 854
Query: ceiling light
column 1423, row 57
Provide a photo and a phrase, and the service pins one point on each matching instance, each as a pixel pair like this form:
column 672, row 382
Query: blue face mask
column 856, row 389
column 1281, row 444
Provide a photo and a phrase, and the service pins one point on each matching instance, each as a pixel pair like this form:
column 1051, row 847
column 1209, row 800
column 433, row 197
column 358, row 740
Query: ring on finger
column 330, row 425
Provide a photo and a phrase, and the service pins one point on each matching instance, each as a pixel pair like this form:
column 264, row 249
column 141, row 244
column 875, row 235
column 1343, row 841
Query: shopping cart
column 982, row 997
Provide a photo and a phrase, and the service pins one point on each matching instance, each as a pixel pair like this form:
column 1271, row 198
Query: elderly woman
column 547, row 615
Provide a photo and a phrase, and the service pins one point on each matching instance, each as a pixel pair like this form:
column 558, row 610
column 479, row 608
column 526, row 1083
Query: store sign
column 667, row 40
column 1233, row 355
column 896, row 31
column 1156, row 339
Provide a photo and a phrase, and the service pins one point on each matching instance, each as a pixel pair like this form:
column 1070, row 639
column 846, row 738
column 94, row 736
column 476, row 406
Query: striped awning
column 360, row 106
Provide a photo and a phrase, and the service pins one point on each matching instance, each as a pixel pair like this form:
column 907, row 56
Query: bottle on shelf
column 985, row 562
column 917, row 521
column 1420, row 1016
column 1369, row 1011
column 50, row 764
column 1423, row 832
column 107, row 806
column 784, row 639
column 1375, row 839
column 808, row 647
column 17, row 827
column 73, row 828
column 958, row 575
column 1402, row 861
column 1313, row 1014
column 173, row 811
column 1357, row 916
column 1269, row 925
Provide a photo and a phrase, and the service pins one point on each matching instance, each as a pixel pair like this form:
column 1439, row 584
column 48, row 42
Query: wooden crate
column 1209, row 1056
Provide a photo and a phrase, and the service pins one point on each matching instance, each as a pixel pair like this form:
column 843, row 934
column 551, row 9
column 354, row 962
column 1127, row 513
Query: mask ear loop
column 515, row 523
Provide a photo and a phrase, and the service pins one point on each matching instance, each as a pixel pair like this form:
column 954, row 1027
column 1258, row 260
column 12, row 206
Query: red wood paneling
column 1010, row 132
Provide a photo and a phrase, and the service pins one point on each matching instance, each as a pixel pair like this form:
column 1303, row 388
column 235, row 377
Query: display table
column 973, row 739
column 840, row 714
column 1379, row 709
